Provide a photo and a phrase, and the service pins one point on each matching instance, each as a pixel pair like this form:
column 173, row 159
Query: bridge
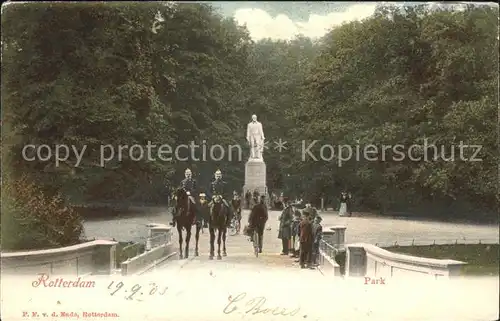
column 199, row 285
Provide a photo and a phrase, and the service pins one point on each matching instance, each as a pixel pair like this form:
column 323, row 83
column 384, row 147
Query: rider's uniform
column 218, row 187
column 189, row 185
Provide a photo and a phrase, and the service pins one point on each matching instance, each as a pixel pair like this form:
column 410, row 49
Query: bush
column 31, row 220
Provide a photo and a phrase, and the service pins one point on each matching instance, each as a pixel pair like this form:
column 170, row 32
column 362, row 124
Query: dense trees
column 402, row 77
column 98, row 74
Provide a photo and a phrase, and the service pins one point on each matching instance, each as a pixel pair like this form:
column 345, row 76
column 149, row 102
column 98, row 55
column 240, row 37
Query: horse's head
column 181, row 195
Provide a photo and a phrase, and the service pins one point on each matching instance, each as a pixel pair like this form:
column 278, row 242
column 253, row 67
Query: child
column 317, row 236
column 295, row 234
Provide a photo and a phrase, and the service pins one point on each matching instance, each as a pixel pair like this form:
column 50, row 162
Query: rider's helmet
column 218, row 174
column 188, row 173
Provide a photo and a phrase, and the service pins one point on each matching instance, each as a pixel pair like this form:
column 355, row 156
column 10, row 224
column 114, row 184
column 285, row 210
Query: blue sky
column 284, row 20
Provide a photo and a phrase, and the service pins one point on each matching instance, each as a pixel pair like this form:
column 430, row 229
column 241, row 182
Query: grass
column 482, row 259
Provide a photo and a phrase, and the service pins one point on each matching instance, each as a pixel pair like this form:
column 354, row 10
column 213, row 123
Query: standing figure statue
column 255, row 137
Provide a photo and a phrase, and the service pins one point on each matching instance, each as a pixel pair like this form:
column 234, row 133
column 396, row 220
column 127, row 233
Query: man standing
column 306, row 241
column 295, row 233
column 285, row 229
column 317, row 236
column 204, row 209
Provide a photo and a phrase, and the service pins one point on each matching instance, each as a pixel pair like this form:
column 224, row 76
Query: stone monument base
column 255, row 177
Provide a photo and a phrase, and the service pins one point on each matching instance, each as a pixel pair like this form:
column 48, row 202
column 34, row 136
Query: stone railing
column 95, row 257
column 159, row 247
column 332, row 243
column 371, row 261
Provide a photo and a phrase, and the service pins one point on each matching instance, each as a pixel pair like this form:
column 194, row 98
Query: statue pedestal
column 255, row 177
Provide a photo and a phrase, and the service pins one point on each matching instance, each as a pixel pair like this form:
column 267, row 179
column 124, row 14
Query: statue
column 255, row 137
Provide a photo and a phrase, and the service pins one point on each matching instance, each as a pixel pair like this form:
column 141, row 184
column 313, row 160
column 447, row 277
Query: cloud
column 261, row 25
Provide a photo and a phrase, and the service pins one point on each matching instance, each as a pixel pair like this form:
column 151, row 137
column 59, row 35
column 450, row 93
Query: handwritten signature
column 136, row 290
column 255, row 305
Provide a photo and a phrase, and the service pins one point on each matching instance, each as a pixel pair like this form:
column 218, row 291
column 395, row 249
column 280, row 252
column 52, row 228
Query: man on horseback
column 189, row 185
column 218, row 188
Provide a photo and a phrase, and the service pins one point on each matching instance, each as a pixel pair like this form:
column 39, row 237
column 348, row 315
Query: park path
column 359, row 229
column 239, row 250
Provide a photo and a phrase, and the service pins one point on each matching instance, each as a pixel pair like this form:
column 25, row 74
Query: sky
column 284, row 20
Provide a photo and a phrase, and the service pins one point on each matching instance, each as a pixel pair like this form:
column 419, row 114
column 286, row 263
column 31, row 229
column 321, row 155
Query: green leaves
column 401, row 76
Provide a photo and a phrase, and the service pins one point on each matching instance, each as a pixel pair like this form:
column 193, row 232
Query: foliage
column 402, row 77
column 86, row 74
column 31, row 220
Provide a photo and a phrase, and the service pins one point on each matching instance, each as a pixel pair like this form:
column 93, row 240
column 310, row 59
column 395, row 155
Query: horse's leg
column 212, row 240
column 179, row 231
column 224, row 232
column 188, row 238
column 219, row 234
column 197, row 238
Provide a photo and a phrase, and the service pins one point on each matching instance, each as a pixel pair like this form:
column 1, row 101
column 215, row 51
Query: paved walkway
column 239, row 252
column 359, row 229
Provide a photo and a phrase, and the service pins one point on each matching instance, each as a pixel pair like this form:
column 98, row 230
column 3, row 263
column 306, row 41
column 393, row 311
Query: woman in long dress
column 343, row 204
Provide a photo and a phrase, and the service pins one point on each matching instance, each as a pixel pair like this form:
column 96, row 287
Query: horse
column 218, row 220
column 185, row 219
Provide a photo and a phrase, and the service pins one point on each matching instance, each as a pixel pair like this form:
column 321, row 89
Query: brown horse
column 186, row 218
column 219, row 219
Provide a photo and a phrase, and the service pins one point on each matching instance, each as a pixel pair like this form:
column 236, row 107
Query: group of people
column 300, row 233
column 203, row 205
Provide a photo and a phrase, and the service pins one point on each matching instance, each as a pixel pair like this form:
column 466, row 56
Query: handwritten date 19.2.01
column 136, row 291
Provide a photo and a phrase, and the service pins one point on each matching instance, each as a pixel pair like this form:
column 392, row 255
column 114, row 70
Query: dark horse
column 186, row 217
column 218, row 220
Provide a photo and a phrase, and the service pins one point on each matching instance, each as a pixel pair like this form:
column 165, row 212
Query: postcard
column 249, row 160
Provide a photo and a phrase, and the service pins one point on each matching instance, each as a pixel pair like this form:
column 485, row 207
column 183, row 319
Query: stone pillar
column 104, row 258
column 154, row 230
column 355, row 265
column 329, row 236
column 339, row 236
column 255, row 177
column 335, row 236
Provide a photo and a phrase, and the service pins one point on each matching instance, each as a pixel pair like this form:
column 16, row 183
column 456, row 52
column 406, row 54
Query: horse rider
column 189, row 185
column 218, row 187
